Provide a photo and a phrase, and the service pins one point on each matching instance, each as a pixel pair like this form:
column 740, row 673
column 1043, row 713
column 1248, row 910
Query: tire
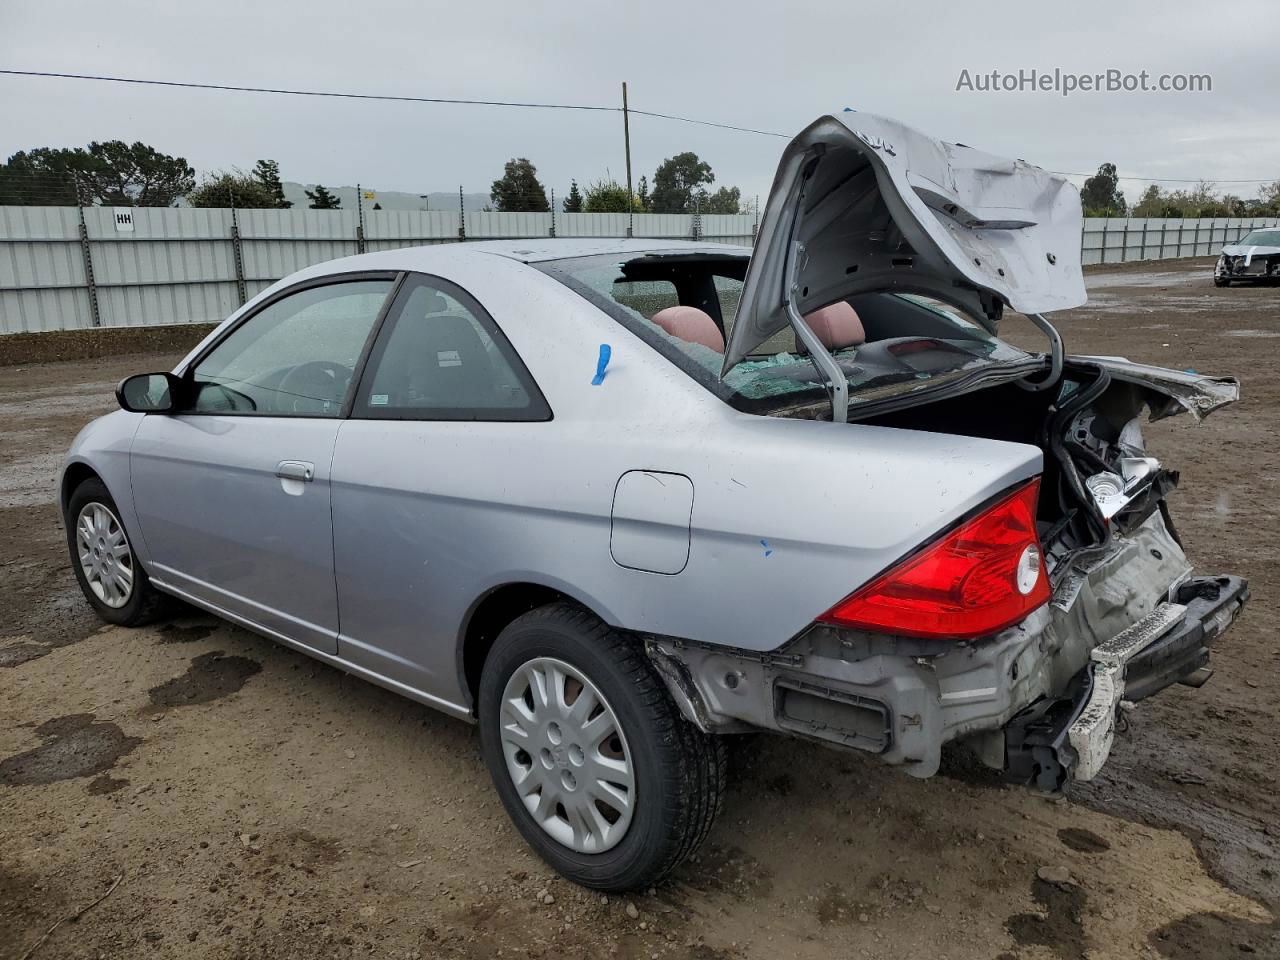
column 141, row 603
column 677, row 773
column 1221, row 281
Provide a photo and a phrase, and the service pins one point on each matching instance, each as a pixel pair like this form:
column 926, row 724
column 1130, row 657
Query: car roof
column 543, row 249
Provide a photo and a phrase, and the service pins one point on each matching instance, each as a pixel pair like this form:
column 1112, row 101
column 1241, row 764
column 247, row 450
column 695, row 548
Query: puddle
column 1215, row 935
column 173, row 633
column 1083, row 841
column 76, row 746
column 211, row 676
column 1058, row 927
column 19, row 653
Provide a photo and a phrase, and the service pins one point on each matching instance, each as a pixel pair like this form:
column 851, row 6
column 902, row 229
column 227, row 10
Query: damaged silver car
column 1255, row 256
column 614, row 500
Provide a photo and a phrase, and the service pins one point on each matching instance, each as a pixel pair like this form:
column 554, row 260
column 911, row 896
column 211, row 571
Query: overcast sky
column 774, row 66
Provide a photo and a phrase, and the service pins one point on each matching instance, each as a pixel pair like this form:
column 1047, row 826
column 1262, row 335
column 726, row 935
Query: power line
column 305, row 93
column 1170, row 179
column 499, row 103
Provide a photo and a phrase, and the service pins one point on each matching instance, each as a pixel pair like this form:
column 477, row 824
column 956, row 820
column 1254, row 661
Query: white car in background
column 1255, row 257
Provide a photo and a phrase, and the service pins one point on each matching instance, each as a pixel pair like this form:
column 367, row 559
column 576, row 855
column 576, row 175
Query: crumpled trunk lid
column 876, row 206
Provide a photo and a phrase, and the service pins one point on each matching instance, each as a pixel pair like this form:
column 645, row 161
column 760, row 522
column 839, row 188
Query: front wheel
column 601, row 774
column 102, row 557
column 1221, row 281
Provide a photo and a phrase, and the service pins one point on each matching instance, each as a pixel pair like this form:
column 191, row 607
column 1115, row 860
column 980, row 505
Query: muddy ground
column 258, row 804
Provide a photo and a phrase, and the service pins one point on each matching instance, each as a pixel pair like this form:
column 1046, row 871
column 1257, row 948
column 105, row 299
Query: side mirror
column 148, row 393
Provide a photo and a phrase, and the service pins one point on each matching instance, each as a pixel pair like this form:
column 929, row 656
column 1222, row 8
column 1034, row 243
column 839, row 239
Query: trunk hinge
column 822, row 359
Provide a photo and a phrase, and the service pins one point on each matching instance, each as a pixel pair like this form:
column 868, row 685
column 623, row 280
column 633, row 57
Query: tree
column 376, row 205
column 110, row 172
column 234, row 189
column 45, row 176
column 519, row 189
column 642, row 194
column 724, row 200
column 573, row 202
column 267, row 173
column 609, row 196
column 322, row 199
column 676, row 180
column 1101, row 196
column 1269, row 198
column 1150, row 204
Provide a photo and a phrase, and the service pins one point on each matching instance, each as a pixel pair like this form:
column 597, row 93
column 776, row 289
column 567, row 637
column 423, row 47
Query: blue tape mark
column 602, row 363
column 1190, row 370
column 765, row 544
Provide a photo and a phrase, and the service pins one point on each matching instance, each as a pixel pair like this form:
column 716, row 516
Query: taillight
column 985, row 575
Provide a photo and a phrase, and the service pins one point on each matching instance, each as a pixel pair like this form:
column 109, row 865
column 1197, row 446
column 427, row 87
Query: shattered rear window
column 911, row 341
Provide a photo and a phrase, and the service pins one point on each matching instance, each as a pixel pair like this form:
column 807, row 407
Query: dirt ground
column 255, row 804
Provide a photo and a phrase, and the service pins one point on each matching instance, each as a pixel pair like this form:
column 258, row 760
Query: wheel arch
column 490, row 614
column 76, row 473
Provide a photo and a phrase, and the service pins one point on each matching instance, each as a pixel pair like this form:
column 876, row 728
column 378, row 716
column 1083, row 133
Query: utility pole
column 626, row 138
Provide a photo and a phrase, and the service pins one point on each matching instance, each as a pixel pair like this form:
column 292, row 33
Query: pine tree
column 573, row 202
column 519, row 188
column 267, row 173
column 322, row 199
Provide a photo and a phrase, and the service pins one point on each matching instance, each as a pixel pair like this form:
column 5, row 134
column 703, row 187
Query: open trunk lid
column 866, row 204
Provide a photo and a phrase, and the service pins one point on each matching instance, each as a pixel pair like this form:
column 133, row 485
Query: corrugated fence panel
column 592, row 224
column 179, row 265
column 519, row 226
column 41, row 270
column 389, row 229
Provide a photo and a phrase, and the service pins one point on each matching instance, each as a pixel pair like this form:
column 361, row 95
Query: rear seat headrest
column 837, row 326
column 691, row 324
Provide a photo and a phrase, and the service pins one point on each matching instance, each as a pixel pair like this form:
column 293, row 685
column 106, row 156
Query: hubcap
column 567, row 755
column 105, row 557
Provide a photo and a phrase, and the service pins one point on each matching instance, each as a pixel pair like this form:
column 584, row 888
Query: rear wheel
column 595, row 765
column 102, row 557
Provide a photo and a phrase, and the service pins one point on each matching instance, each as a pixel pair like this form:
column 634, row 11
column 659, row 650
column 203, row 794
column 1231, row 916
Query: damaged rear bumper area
column 1058, row 738
column 1038, row 700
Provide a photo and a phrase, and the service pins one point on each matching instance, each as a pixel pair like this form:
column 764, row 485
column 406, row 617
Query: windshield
column 1261, row 238
column 684, row 305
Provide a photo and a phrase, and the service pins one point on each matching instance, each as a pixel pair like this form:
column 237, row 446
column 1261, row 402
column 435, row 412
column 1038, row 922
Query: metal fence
column 1119, row 240
column 65, row 268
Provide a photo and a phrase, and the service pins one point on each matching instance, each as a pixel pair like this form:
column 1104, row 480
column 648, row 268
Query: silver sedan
column 614, row 500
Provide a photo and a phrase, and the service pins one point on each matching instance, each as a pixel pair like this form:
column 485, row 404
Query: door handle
column 296, row 470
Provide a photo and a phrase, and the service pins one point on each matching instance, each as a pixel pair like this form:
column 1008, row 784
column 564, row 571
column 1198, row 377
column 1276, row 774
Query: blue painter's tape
column 602, row 364
column 767, row 550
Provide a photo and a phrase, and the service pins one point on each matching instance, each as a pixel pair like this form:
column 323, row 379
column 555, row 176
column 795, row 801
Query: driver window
column 293, row 358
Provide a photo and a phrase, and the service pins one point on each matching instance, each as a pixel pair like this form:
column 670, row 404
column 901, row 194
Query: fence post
column 697, row 218
column 1142, row 254
column 359, row 219
column 1103, row 258
column 553, row 213
column 462, row 214
column 95, row 317
column 1178, row 255
column 237, row 257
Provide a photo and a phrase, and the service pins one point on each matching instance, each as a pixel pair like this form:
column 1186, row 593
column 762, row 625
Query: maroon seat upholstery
column 836, row 326
column 691, row 324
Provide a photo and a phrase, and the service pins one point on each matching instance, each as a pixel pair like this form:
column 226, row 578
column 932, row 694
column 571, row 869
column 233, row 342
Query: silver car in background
column 615, row 499
column 1255, row 256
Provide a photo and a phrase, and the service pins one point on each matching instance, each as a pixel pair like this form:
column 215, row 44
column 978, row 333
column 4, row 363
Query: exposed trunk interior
column 1097, row 477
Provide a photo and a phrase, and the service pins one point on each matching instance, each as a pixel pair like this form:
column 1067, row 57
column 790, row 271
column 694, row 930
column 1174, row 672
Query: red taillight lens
column 983, row 576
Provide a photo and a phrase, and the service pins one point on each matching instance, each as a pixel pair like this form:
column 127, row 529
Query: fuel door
column 650, row 521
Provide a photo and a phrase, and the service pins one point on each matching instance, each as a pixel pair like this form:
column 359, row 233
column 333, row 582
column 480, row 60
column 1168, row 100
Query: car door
column 423, row 483
column 232, row 492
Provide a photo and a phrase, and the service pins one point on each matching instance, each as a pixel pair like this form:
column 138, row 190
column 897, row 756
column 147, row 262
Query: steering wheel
column 315, row 387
